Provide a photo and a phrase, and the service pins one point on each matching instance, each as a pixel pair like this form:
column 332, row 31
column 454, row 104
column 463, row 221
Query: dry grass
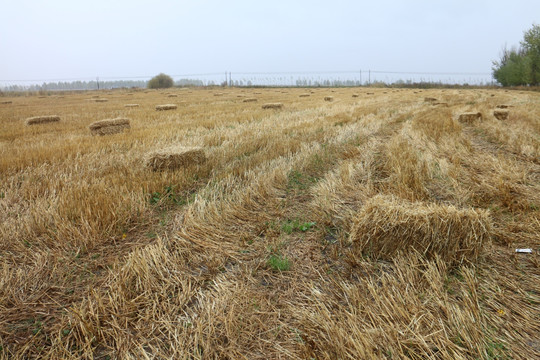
column 44, row 119
column 109, row 126
column 100, row 257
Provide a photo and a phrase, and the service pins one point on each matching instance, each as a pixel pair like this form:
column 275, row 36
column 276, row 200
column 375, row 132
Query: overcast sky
column 64, row 39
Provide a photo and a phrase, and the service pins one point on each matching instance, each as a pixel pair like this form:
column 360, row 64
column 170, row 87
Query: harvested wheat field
column 371, row 227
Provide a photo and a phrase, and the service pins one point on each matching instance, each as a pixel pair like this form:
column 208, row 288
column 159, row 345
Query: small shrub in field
column 160, row 81
column 279, row 263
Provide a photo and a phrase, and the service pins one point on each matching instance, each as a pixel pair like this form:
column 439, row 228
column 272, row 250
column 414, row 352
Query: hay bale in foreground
column 273, row 106
column 328, row 98
column 109, row 126
column 249, row 100
column 174, row 158
column 42, row 119
column 501, row 114
column 166, row 107
column 131, row 105
column 386, row 226
column 470, row 117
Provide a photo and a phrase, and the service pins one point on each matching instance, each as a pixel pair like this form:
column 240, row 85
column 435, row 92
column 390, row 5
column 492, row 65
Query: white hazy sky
column 64, row 39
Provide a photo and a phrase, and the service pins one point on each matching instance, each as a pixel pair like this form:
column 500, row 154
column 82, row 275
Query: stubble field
column 366, row 227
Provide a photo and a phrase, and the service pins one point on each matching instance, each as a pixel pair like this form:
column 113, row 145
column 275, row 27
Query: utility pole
column 369, row 77
column 226, row 79
column 360, row 77
column 230, row 78
column 97, row 80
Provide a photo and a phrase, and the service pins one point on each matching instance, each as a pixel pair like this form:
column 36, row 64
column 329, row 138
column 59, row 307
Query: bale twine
column 328, row 98
column 174, row 158
column 249, row 100
column 501, row 114
column 131, row 105
column 273, row 106
column 470, row 117
column 386, row 226
column 109, row 126
column 42, row 119
column 166, row 107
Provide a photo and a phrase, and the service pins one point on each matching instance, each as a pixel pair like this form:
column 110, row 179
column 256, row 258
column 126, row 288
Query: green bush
column 160, row 81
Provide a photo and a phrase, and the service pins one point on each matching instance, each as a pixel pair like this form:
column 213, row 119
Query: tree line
column 520, row 65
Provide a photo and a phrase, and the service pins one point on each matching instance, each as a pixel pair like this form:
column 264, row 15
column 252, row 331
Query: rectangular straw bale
column 328, row 98
column 304, row 95
column 273, row 106
column 430, row 99
column 131, row 105
column 101, row 100
column 42, row 119
column 172, row 95
column 6, row 102
column 501, row 114
column 386, row 226
column 174, row 158
column 354, row 95
column 249, row 100
column 109, row 126
column 166, row 107
column 470, row 117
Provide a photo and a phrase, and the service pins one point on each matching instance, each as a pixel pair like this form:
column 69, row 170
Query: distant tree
column 531, row 45
column 160, row 81
column 520, row 66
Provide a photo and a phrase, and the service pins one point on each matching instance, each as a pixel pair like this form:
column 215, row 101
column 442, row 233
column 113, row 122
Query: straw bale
column 6, row 102
column 109, row 126
column 166, row 107
column 131, row 105
column 172, row 95
column 430, row 99
column 42, row 119
column 354, row 95
column 386, row 226
column 273, row 106
column 328, row 98
column 101, row 100
column 370, row 93
column 249, row 100
column 304, row 95
column 501, row 114
column 470, row 117
column 174, row 158
column 503, row 106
